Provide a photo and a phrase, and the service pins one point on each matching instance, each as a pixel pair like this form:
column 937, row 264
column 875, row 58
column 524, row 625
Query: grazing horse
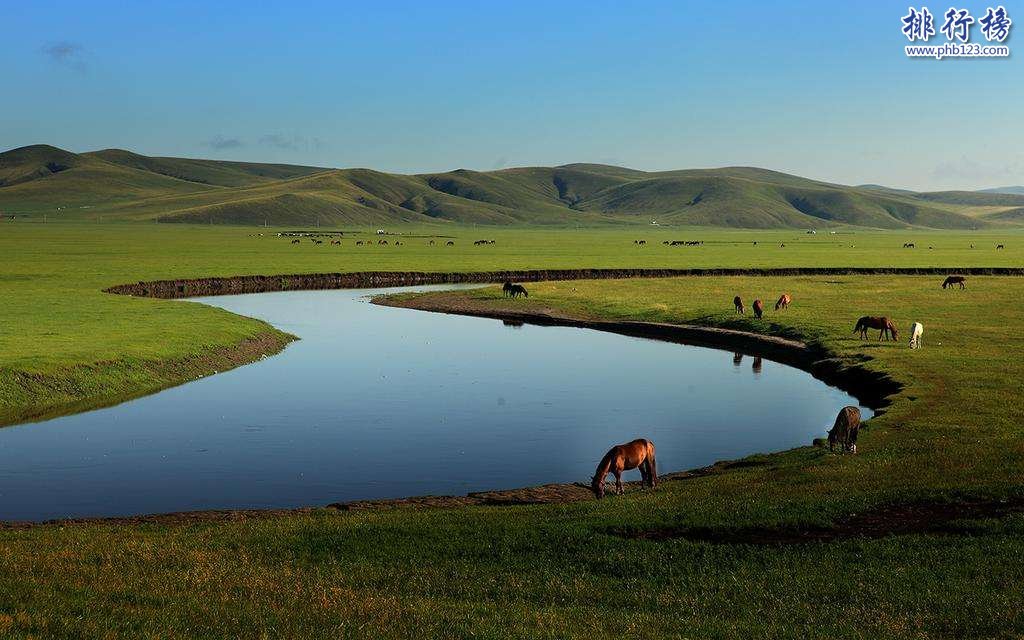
column 738, row 303
column 517, row 290
column 844, row 431
column 916, row 331
column 884, row 325
column 450, row 243
column 623, row 457
column 758, row 309
column 506, row 289
column 999, row 246
column 954, row 280
column 784, row 301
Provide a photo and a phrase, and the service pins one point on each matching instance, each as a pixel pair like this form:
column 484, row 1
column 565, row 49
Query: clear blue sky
column 821, row 89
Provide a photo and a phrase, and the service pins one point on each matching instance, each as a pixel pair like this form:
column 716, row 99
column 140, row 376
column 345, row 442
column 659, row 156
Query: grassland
column 638, row 565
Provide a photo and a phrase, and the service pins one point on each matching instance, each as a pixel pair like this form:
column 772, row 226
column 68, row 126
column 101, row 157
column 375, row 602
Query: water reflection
column 427, row 403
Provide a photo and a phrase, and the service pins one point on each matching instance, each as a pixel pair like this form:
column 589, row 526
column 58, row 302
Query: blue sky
column 821, row 89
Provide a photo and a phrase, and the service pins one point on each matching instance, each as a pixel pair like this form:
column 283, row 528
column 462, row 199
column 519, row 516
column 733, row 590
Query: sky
column 819, row 89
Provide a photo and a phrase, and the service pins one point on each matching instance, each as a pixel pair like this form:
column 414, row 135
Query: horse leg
column 618, row 482
column 644, row 474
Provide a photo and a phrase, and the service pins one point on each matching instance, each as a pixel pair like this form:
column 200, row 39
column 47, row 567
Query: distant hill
column 215, row 172
column 1011, row 190
column 124, row 185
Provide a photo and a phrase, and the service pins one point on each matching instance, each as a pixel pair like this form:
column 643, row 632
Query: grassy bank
column 663, row 564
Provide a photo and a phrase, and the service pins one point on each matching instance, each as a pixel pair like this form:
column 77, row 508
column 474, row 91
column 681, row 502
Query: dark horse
column 506, row 289
column 622, row 457
column 844, row 431
column 738, row 303
column 954, row 280
column 884, row 325
column 758, row 309
column 517, row 290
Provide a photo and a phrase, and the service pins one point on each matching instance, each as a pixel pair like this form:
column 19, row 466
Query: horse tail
column 652, row 466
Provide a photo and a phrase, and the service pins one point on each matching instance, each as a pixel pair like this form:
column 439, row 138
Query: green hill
column 215, row 172
column 125, row 185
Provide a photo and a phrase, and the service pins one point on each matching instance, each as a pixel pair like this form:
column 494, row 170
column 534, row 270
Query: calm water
column 378, row 402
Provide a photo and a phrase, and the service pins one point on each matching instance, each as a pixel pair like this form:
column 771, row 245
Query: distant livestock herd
column 382, row 242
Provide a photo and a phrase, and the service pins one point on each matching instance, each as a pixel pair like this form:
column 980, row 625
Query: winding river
column 382, row 402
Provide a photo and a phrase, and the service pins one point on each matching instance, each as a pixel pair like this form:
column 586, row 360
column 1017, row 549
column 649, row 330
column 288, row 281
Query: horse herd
column 782, row 303
column 382, row 242
column 673, row 243
column 639, row 454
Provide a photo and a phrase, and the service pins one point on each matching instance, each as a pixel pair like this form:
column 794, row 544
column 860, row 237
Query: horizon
column 392, row 88
column 568, row 164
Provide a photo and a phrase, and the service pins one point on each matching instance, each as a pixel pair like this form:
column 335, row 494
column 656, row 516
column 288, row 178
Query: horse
column 884, row 325
column 431, row 243
column 954, row 280
column 844, row 431
column 784, row 301
column 738, row 303
column 296, row 241
column 517, row 290
column 449, row 244
column 758, row 309
column 999, row 246
column 623, row 457
column 506, row 289
column 916, row 331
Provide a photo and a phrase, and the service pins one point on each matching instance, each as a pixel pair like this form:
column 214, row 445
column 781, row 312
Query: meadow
column 703, row 556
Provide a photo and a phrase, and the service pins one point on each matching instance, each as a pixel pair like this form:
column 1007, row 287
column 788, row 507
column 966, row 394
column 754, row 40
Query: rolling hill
column 123, row 185
column 1012, row 190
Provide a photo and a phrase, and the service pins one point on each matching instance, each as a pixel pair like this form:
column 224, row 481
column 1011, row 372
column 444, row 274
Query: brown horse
column 884, row 325
column 952, row 280
column 784, row 302
column 844, row 431
column 623, row 457
column 758, row 309
column 738, row 303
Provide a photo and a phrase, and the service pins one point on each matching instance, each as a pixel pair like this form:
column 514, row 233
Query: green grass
column 119, row 185
column 551, row 571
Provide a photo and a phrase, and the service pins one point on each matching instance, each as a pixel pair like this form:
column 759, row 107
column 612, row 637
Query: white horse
column 916, row 331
